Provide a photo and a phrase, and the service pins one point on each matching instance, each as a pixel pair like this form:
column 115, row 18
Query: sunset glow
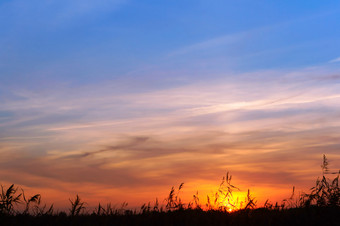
column 120, row 100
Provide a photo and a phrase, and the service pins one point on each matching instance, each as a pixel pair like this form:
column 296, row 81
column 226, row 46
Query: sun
column 226, row 204
column 231, row 203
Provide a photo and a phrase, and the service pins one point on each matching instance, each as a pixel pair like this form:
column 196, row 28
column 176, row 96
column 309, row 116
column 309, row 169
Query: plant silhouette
column 314, row 207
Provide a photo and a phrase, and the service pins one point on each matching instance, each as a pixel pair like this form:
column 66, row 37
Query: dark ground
column 321, row 216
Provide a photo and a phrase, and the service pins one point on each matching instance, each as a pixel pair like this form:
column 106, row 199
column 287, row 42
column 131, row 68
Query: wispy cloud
column 93, row 135
column 335, row 60
column 211, row 43
column 227, row 40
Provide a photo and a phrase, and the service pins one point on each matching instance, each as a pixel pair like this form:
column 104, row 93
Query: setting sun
column 130, row 107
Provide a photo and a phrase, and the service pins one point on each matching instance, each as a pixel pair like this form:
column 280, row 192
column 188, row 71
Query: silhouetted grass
column 319, row 206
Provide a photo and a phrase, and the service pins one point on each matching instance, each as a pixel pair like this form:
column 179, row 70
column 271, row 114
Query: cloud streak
column 258, row 127
column 336, row 60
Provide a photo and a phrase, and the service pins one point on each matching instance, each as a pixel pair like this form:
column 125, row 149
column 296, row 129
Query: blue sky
column 94, row 92
column 87, row 41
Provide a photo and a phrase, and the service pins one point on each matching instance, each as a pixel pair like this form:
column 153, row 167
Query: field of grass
column 319, row 206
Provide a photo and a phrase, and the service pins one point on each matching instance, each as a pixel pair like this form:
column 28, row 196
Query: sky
column 121, row 99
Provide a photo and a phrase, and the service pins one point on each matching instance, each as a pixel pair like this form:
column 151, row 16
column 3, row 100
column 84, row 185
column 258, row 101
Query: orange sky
column 270, row 134
column 119, row 100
